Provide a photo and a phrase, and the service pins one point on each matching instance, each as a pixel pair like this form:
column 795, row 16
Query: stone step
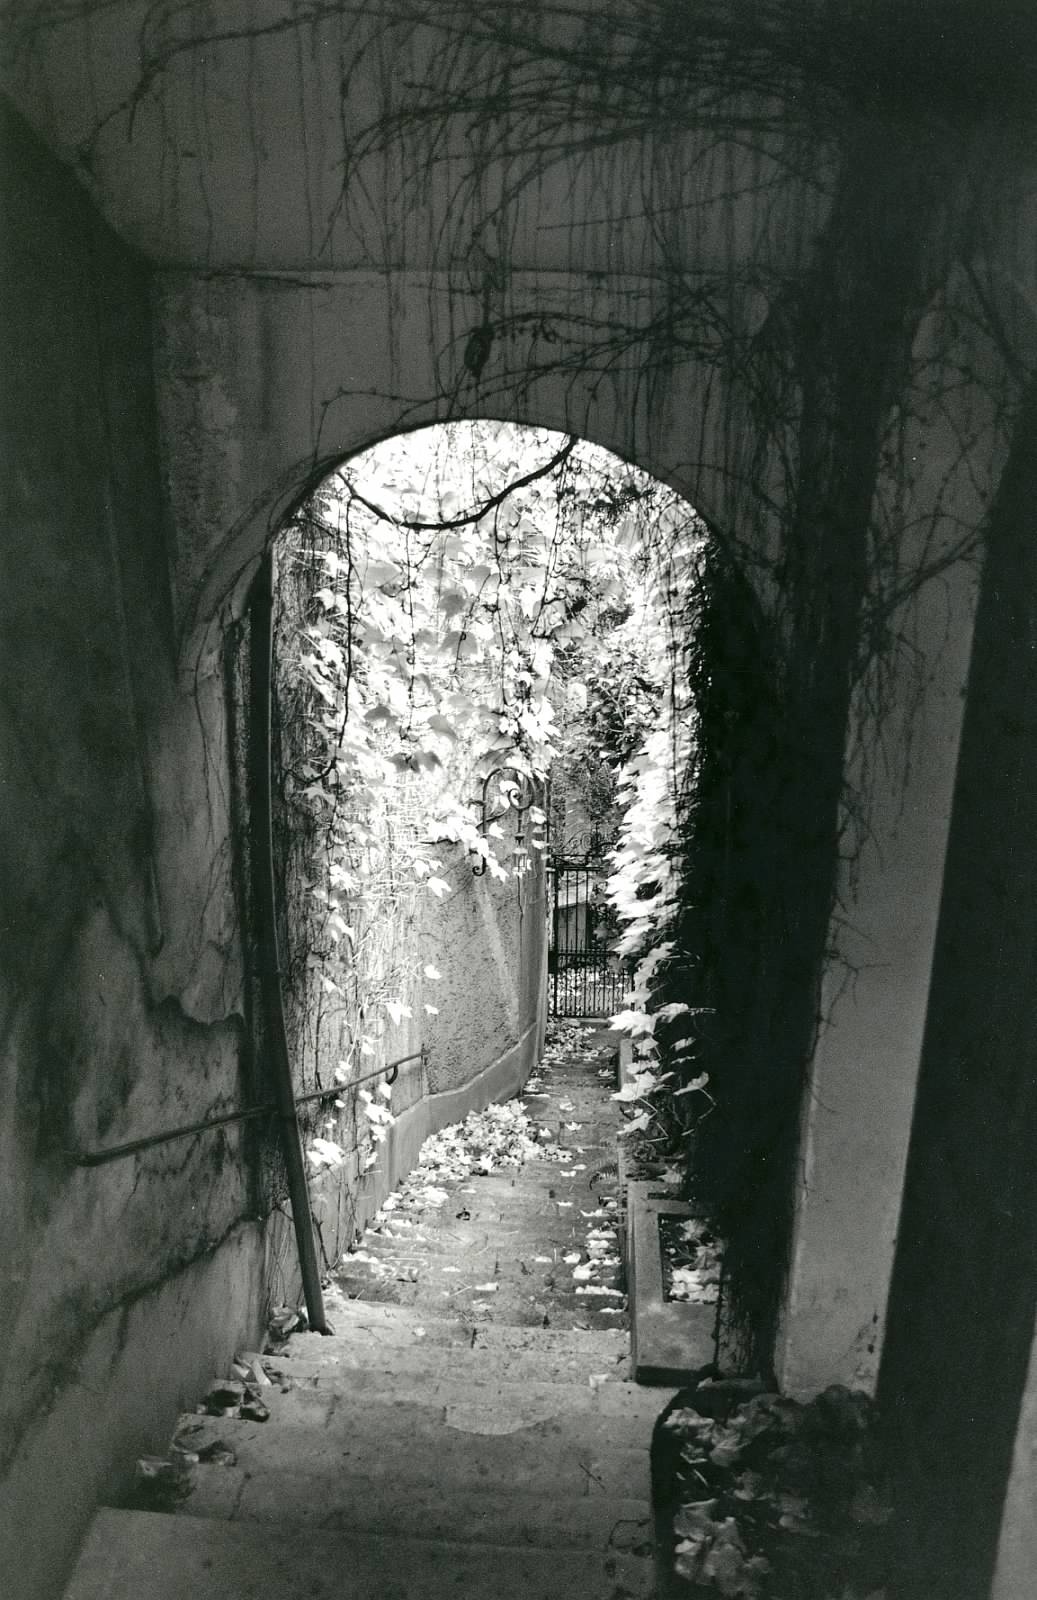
column 553, row 1241
column 598, row 1344
column 457, row 1361
column 567, row 1311
column 519, row 1299
column 128, row 1554
column 572, row 1456
column 476, row 1408
column 368, row 1507
column 520, row 1302
column 388, row 1386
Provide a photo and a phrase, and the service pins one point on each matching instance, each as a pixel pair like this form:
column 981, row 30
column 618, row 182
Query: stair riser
column 132, row 1554
column 364, row 1508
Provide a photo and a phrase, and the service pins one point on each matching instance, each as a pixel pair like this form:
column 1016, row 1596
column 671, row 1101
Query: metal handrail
column 115, row 1152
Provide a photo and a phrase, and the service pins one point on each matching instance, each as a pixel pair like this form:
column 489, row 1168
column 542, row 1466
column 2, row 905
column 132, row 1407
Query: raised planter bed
column 671, row 1341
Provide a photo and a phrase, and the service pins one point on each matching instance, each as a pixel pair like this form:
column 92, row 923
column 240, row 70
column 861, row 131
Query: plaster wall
column 224, row 146
column 953, row 1384
column 489, row 940
column 266, row 382
column 901, row 766
column 860, row 1096
column 120, row 968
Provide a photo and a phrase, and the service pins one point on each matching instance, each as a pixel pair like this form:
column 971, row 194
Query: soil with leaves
column 768, row 1499
column 691, row 1258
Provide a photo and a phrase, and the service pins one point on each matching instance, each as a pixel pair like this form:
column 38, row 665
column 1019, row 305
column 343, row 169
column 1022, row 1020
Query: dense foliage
column 453, row 604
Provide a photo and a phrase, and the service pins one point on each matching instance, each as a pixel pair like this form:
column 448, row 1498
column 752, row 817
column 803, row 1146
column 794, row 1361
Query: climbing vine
column 443, row 600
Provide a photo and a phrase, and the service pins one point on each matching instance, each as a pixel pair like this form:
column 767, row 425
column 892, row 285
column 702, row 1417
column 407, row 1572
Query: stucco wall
column 488, row 939
column 119, row 962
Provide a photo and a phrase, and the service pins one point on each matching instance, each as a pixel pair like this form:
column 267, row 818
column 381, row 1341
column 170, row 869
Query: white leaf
column 696, row 1083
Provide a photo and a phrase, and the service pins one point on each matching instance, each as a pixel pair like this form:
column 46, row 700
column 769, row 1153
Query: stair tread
column 387, row 1384
column 130, row 1553
column 422, row 1446
column 359, row 1505
column 516, row 1366
column 604, row 1342
column 456, row 1408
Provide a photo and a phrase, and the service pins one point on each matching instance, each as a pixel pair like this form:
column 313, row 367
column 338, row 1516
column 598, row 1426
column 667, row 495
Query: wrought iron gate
column 585, row 978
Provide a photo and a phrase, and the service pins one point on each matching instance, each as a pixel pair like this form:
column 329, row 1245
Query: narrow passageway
column 533, row 1245
column 470, row 1428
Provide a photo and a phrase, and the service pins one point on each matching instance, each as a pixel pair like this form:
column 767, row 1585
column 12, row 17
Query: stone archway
column 265, row 383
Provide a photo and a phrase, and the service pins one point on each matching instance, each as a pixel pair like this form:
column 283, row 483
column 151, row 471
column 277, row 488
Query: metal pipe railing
column 264, row 882
column 115, row 1152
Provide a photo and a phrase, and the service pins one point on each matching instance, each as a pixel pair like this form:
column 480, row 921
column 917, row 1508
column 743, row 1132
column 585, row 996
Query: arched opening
column 498, row 649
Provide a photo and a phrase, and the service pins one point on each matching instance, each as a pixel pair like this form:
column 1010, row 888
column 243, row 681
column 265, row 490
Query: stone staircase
column 406, row 1458
column 470, row 1430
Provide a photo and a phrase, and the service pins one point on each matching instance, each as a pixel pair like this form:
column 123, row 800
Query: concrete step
column 364, row 1327
column 367, row 1507
column 128, row 1554
column 571, row 1456
column 474, row 1408
column 387, row 1386
column 481, row 1364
